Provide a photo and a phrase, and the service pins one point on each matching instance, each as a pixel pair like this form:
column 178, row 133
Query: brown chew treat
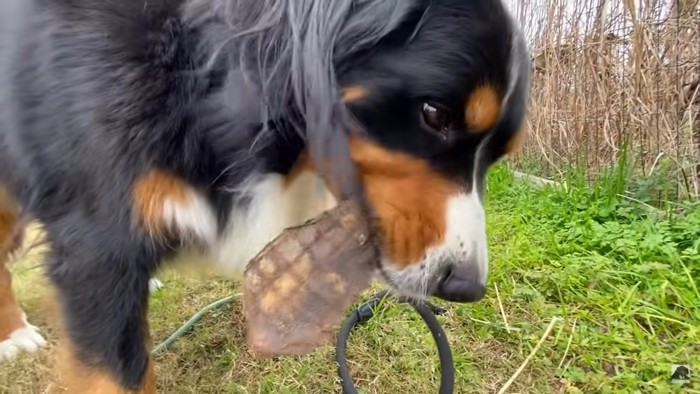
column 300, row 285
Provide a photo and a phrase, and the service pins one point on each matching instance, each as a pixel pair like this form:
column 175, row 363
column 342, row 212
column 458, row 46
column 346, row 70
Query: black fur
column 96, row 92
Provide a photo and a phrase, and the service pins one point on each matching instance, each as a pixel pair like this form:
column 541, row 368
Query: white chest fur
column 271, row 207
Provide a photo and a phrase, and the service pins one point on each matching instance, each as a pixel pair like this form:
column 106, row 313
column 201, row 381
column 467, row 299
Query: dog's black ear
column 410, row 26
column 293, row 49
column 338, row 39
column 362, row 35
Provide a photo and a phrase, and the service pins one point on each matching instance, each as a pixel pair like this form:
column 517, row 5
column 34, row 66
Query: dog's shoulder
column 102, row 91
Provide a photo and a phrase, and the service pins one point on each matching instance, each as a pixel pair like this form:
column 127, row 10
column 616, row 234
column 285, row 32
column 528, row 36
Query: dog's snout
column 461, row 283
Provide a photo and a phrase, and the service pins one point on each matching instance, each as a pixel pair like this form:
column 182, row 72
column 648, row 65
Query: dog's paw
column 26, row 338
column 154, row 285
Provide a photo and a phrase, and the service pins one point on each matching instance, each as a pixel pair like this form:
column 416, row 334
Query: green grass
column 621, row 275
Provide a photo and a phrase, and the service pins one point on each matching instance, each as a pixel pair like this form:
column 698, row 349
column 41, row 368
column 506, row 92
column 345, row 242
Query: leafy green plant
column 626, row 271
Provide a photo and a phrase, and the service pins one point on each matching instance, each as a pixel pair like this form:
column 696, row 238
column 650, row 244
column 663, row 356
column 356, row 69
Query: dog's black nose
column 461, row 283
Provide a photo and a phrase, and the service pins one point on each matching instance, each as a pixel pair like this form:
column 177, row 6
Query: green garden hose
column 190, row 323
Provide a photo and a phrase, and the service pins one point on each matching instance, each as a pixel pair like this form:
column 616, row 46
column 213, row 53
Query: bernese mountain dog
column 134, row 130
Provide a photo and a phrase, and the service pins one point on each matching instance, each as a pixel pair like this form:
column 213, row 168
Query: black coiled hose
column 427, row 311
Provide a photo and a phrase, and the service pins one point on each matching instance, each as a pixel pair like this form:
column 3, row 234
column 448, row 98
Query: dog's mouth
column 456, row 284
column 412, row 284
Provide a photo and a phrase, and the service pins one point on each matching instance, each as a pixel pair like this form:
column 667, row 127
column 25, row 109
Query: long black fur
column 93, row 93
column 291, row 48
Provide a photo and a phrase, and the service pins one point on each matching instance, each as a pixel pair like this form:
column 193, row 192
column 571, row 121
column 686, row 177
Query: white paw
column 154, row 285
column 26, row 339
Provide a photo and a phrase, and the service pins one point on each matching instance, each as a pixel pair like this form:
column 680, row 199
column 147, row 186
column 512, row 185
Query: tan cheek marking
column 482, row 109
column 351, row 94
column 150, row 193
column 409, row 199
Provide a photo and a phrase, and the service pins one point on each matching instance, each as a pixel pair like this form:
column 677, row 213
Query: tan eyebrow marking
column 353, row 93
column 483, row 108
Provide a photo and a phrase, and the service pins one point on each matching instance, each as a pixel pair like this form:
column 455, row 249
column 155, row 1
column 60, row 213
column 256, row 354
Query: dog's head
column 436, row 103
column 418, row 97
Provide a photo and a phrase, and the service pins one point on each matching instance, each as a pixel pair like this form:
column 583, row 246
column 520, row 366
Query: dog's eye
column 436, row 118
